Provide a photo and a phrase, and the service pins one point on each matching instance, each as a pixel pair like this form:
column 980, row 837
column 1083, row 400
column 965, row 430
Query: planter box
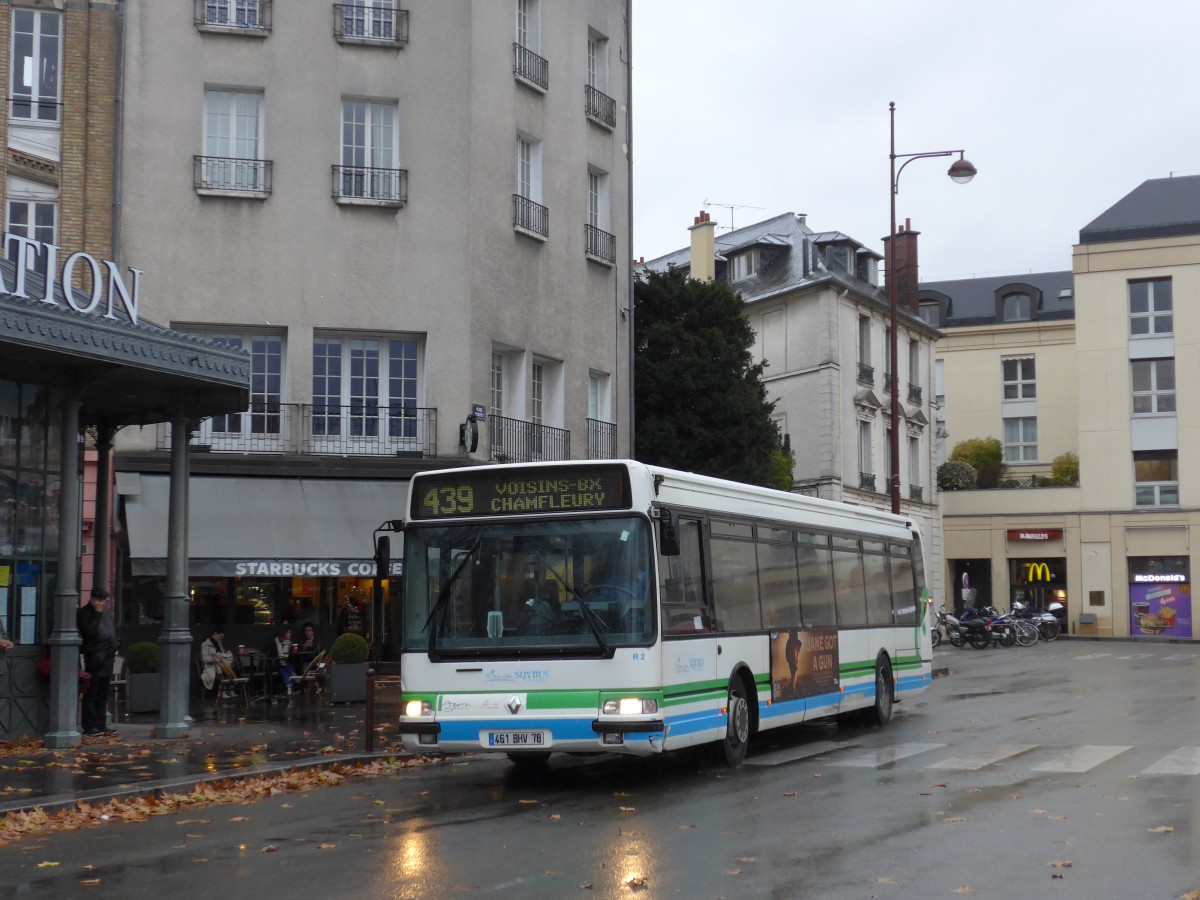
column 348, row 682
column 142, row 692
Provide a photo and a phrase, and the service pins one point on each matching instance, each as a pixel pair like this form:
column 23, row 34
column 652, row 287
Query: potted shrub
column 143, row 661
column 348, row 674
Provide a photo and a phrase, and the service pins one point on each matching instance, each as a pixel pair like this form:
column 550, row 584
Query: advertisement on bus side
column 804, row 663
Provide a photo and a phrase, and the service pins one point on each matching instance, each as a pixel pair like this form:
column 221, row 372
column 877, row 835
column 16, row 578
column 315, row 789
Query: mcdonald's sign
column 1037, row 571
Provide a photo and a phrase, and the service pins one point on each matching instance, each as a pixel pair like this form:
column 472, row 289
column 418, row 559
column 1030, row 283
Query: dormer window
column 930, row 312
column 1016, row 308
column 744, row 265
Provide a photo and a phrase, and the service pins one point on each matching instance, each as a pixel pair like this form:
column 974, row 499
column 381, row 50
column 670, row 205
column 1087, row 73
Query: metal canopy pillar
column 176, row 639
column 63, row 725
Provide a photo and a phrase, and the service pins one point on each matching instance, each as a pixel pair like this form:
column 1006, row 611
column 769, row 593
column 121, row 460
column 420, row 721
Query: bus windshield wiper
column 594, row 622
column 444, row 594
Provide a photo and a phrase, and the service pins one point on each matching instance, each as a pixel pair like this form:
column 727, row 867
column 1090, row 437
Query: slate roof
column 782, row 259
column 1160, row 207
column 973, row 300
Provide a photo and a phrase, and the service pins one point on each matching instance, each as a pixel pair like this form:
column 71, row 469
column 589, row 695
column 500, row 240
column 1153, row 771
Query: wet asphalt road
column 1084, row 753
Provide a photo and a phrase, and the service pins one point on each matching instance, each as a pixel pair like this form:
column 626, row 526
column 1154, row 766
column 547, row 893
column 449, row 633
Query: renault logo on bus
column 514, row 704
column 1037, row 572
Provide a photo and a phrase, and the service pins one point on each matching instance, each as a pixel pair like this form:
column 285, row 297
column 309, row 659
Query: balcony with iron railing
column 866, row 373
column 515, row 440
column 599, row 107
column 530, row 218
column 602, row 439
column 531, row 69
column 600, row 245
column 887, row 382
column 866, row 481
column 251, row 18
column 222, row 176
column 914, row 393
column 370, row 23
column 317, row 429
column 370, row 186
column 916, row 492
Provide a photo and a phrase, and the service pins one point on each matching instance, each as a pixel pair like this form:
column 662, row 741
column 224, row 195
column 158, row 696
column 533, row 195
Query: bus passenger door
column 689, row 641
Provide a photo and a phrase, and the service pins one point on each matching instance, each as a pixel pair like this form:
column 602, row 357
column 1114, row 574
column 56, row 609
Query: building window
column 371, row 22
column 232, row 158
column 1156, row 477
column 1153, row 386
column 537, row 395
column 528, row 65
column 364, row 388
column 1016, row 307
column 234, row 13
column 34, row 219
column 1020, row 439
column 497, row 384
column 36, row 62
column 930, row 312
column 529, row 216
column 598, row 105
column 601, row 244
column 866, row 465
column 1020, row 382
column 370, row 168
column 744, row 265
column 266, row 384
column 914, row 462
column 914, row 364
column 1150, row 307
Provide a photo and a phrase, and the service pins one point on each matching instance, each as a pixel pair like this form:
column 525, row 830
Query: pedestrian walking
column 99, row 635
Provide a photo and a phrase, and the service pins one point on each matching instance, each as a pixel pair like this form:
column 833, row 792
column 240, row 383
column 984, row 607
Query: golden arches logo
column 1037, row 572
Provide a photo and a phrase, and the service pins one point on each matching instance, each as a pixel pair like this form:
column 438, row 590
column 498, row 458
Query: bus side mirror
column 668, row 532
column 383, row 557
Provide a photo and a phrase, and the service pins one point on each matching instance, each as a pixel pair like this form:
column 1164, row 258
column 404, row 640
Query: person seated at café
column 280, row 654
column 212, row 655
column 309, row 646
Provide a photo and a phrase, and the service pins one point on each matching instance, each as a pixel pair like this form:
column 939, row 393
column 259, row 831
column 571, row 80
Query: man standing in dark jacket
column 100, row 644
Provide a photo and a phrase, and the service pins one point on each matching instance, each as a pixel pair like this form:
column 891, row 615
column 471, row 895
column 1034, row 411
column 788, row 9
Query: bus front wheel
column 737, row 729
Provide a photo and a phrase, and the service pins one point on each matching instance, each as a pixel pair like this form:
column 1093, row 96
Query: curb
column 179, row 785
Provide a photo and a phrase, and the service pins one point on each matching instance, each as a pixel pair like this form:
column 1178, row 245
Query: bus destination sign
column 496, row 492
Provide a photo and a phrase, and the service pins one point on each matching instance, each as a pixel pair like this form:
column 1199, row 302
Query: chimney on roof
column 906, row 266
column 704, row 247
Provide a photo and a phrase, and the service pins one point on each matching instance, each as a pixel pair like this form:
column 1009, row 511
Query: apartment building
column 822, row 328
column 415, row 219
column 1117, row 547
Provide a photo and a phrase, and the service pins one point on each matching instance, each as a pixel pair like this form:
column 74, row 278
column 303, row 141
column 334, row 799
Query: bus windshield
column 528, row 588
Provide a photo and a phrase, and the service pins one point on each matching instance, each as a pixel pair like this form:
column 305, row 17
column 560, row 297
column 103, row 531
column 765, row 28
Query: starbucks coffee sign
column 107, row 285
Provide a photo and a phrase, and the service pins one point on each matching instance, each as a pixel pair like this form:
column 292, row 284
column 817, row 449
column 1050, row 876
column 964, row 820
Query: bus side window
column 681, row 582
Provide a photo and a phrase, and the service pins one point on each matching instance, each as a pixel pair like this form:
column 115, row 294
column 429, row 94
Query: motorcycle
column 1004, row 632
column 973, row 628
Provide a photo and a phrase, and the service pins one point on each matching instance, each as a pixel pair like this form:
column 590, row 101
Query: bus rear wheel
column 737, row 730
column 881, row 712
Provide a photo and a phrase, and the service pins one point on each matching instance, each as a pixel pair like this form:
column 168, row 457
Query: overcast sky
column 779, row 106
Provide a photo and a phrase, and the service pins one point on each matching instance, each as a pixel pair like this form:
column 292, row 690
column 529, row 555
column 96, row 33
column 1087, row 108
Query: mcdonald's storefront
column 1038, row 579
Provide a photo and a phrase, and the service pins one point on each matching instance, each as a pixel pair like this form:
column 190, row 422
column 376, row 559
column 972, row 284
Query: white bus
column 597, row 606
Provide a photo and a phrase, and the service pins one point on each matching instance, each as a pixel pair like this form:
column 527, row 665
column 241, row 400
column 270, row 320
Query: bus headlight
column 630, row 706
column 415, row 709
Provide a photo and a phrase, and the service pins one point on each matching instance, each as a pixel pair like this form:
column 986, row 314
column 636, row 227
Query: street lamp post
column 961, row 171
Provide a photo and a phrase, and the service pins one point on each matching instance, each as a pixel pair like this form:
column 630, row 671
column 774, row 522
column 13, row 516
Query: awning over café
column 263, row 527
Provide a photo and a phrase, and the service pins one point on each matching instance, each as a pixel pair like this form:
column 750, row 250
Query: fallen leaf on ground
column 965, row 889
column 1060, row 863
column 326, row 846
column 47, row 864
column 1162, row 829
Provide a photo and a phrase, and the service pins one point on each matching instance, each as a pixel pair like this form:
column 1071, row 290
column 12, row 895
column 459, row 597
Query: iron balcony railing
column 887, row 382
column 375, row 22
column 866, row 373
column 866, row 481
column 887, row 485
column 914, row 393
column 530, row 217
column 514, row 440
column 370, row 186
column 318, row 429
column 602, row 439
column 248, row 15
column 916, row 492
column 599, row 106
column 600, row 244
column 531, row 68
column 227, row 175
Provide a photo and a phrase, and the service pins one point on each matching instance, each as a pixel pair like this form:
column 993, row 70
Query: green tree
column 700, row 402
column 986, row 455
column 1064, row 469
